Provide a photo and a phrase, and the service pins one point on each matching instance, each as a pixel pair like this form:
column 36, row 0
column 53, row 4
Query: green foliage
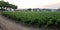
column 7, row 5
column 35, row 18
column 29, row 9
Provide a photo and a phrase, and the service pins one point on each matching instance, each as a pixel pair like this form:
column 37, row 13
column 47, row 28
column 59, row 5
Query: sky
column 35, row 3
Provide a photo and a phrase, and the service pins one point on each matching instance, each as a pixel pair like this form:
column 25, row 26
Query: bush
column 35, row 18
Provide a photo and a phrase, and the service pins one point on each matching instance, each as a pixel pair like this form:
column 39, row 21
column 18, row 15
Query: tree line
column 5, row 5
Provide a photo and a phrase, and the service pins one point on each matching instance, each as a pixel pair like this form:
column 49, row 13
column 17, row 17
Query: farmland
column 38, row 19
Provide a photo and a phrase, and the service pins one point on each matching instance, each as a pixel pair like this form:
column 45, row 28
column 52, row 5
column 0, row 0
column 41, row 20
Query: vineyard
column 38, row 19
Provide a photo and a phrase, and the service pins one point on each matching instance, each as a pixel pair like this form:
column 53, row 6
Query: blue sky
column 35, row 3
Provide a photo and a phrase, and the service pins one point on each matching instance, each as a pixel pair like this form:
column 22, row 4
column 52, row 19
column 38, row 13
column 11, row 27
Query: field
column 37, row 19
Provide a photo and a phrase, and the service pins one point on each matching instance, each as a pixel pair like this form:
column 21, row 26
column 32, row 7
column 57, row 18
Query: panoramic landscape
column 29, row 14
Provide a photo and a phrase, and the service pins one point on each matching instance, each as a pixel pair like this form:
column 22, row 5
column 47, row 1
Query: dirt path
column 9, row 25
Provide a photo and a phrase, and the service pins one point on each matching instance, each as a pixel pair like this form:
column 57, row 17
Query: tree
column 1, row 5
column 7, row 5
column 29, row 9
column 58, row 9
column 14, row 7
